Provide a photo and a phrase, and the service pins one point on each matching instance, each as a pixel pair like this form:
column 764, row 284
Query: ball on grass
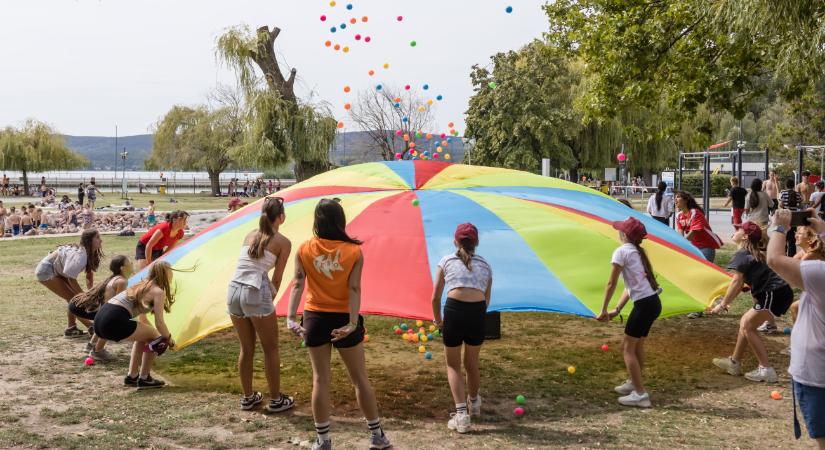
column 404, row 326
column 89, row 361
column 787, row 330
column 571, row 370
column 419, row 323
column 520, row 399
column 518, row 412
column 366, row 338
column 398, row 331
column 776, row 395
column 422, row 349
column 605, row 347
column 428, row 355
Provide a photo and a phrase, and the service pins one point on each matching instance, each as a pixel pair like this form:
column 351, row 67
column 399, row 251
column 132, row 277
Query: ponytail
column 651, row 278
column 93, row 299
column 756, row 188
column 660, row 192
column 273, row 208
column 466, row 251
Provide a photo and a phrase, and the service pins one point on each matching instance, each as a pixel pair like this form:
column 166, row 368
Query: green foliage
column 36, row 147
column 719, row 184
column 689, row 52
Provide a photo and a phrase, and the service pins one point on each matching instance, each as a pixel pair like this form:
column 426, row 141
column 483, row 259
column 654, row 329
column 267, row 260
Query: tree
column 722, row 54
column 280, row 126
column 36, row 147
column 197, row 138
column 376, row 113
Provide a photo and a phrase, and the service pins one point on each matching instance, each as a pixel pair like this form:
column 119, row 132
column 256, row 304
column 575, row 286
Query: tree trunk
column 308, row 169
column 646, row 177
column 214, row 181
column 25, row 182
column 264, row 57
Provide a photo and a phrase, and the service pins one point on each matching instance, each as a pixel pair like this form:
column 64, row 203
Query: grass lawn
column 51, row 400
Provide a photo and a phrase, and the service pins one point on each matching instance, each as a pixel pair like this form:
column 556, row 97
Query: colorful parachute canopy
column 548, row 241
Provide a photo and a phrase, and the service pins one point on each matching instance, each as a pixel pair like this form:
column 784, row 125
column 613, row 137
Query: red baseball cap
column 466, row 231
column 632, row 228
column 752, row 230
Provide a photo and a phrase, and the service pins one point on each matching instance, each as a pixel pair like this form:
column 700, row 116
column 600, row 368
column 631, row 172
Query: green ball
column 437, row 333
column 415, row 202
column 395, row 327
column 520, row 399
column 492, row 84
column 303, row 344
column 413, row 43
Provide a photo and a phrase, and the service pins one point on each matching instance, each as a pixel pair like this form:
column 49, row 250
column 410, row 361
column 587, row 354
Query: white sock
column 323, row 431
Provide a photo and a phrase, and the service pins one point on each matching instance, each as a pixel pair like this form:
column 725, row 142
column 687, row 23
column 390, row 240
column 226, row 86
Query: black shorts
column 464, row 322
column 318, row 328
column 114, row 323
column 776, row 302
column 140, row 252
column 82, row 313
column 641, row 318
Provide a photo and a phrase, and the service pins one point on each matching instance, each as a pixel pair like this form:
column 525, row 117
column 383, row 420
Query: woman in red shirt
column 160, row 238
column 693, row 225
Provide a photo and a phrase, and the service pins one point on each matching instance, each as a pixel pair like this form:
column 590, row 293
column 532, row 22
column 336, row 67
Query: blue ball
column 787, row 330
column 343, row 26
column 429, row 336
column 509, row 9
column 428, row 355
column 440, row 97
column 333, row 30
column 398, row 105
column 404, row 326
column 426, row 86
column 349, row 6
column 378, row 88
column 405, row 119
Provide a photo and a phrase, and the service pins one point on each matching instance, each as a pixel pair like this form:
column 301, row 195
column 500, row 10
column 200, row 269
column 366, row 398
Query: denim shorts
column 244, row 300
column 811, row 401
column 45, row 270
column 708, row 253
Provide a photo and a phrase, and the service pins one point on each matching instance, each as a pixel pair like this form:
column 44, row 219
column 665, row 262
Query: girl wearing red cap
column 631, row 261
column 771, row 298
column 467, row 278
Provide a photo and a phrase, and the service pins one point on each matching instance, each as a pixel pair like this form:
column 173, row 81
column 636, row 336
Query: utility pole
column 116, row 149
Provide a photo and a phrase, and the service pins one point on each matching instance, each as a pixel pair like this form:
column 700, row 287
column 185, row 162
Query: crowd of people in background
column 257, row 188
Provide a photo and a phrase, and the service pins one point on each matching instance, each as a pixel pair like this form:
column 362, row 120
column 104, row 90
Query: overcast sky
column 86, row 65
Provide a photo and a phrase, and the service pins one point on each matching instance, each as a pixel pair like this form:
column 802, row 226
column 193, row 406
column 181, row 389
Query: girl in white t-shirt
column 631, row 261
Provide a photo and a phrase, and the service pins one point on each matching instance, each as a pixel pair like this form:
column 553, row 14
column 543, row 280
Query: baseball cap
column 752, row 230
column 632, row 228
column 466, row 231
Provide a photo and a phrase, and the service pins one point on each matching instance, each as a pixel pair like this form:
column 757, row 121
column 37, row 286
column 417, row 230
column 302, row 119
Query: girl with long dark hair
column 86, row 304
column 693, row 225
column 758, row 204
column 250, row 304
column 631, row 261
column 59, row 271
column 468, row 279
column 329, row 266
column 658, row 206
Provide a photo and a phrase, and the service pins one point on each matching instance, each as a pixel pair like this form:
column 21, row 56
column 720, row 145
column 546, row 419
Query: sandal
column 73, row 332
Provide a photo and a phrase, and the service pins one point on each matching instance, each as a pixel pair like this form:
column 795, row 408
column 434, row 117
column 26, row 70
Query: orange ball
column 337, row 47
column 776, row 395
column 346, row 88
column 386, row 65
column 444, row 143
column 412, row 144
column 429, row 135
column 352, row 21
column 450, row 125
column 397, row 99
column 364, row 19
column 340, row 124
column 347, row 106
column 421, row 109
column 447, row 156
column 366, row 338
column 328, row 43
column 371, row 72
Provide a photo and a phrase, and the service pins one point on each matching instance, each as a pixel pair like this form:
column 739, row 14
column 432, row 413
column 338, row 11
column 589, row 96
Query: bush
column 719, row 184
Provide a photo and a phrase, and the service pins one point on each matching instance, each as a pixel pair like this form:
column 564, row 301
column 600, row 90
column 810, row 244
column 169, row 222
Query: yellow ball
column 429, row 102
column 418, row 323
column 386, row 65
column 571, row 370
column 432, row 327
column 405, row 336
column 421, row 109
column 423, row 338
column 422, row 330
column 447, row 157
column 421, row 349
column 439, row 149
column 332, row 3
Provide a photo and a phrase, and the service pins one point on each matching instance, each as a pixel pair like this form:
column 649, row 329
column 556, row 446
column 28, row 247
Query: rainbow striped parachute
column 548, row 241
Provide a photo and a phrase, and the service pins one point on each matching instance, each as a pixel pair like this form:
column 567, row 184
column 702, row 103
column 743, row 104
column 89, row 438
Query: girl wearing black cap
column 631, row 261
column 467, row 278
column 771, row 298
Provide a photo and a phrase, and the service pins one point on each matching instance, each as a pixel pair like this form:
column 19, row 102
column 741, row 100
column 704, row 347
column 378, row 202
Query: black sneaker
column 130, row 381
column 73, row 332
column 250, row 402
column 149, row 383
column 280, row 405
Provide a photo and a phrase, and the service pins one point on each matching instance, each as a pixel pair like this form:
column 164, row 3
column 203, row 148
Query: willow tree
column 280, row 127
column 36, row 147
column 197, row 139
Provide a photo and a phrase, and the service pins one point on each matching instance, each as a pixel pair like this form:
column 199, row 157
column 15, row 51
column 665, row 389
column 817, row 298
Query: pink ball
column 407, row 87
column 605, row 348
column 435, row 155
column 357, row 37
column 518, row 412
column 399, row 133
column 367, row 39
column 621, row 157
column 443, row 135
column 399, row 18
column 89, row 361
column 323, row 18
column 398, row 156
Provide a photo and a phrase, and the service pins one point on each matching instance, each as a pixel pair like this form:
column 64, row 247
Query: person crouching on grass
column 468, row 279
column 114, row 322
column 59, row 270
column 631, row 261
column 771, row 298
column 86, row 304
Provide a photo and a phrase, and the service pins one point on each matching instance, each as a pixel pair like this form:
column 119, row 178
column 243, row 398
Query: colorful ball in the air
column 492, row 85
column 425, row 87
column 422, row 349
column 347, row 106
column 450, row 125
column 444, row 143
column 337, row 47
column 333, row 30
column 399, row 18
column 407, row 87
column 367, row 39
column 89, row 361
column 429, row 136
column 421, row 109
column 406, row 138
column 332, row 3
column 447, row 157
column 508, row 9
column 398, row 156
column 443, row 135
column 405, row 119
column 340, row 124
column 365, row 19
column 386, row 65
column 357, row 37
column 371, row 73
column 413, row 43
column 428, row 355
column 349, row 6
column 520, row 399
column 303, row 344
column 400, row 133
column 439, row 97
column 415, row 202
column 323, row 18
column 412, row 144
column 343, row 26
column 353, row 21
column 397, row 105
column 378, row 87
column 328, row 44
column 439, row 149
column 518, row 412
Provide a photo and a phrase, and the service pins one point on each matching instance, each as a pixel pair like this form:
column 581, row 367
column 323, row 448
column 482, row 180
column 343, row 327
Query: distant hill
column 349, row 148
column 101, row 150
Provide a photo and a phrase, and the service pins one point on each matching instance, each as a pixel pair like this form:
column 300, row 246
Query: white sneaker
column 625, row 388
column 636, row 399
column 459, row 422
column 474, row 407
column 729, row 365
column 766, row 374
column 767, row 327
